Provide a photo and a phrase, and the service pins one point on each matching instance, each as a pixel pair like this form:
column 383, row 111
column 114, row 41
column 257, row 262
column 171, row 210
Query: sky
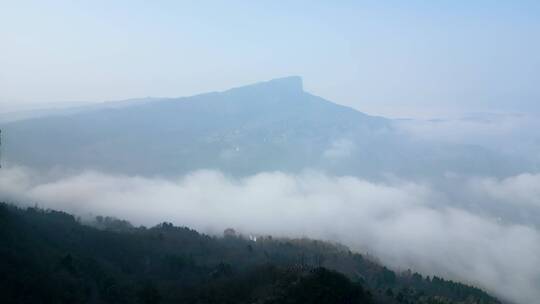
column 391, row 58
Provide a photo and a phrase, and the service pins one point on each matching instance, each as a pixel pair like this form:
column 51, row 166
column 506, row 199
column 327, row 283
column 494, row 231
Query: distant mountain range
column 273, row 125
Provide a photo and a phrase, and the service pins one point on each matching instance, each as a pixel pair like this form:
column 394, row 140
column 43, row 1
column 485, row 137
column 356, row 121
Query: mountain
column 273, row 125
column 10, row 113
column 50, row 257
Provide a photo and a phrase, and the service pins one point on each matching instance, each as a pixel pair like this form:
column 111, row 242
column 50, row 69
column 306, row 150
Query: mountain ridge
column 267, row 126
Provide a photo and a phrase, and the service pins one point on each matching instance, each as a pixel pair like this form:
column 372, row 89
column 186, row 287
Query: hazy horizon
column 391, row 59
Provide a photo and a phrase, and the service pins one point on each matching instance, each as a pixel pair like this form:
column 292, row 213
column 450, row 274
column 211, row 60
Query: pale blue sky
column 394, row 58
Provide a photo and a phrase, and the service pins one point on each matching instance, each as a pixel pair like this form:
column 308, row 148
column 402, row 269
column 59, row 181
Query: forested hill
column 50, row 257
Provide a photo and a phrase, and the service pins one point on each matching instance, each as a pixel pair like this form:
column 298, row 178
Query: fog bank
column 405, row 224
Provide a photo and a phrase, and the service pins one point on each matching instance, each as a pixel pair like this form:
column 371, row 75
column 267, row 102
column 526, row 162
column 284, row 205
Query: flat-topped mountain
column 273, row 125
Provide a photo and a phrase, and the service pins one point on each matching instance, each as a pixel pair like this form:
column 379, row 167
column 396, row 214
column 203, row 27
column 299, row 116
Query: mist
column 405, row 224
column 512, row 133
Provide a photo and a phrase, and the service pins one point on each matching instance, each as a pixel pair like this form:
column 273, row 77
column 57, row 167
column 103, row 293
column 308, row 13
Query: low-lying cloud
column 340, row 149
column 520, row 190
column 402, row 223
column 514, row 134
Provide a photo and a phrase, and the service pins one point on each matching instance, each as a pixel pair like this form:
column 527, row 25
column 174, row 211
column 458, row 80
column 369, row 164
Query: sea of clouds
column 405, row 224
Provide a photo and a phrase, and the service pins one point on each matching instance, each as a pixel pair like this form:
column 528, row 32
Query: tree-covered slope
column 50, row 257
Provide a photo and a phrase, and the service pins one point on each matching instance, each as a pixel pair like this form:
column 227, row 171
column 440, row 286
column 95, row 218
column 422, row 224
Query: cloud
column 400, row 222
column 521, row 191
column 504, row 132
column 340, row 149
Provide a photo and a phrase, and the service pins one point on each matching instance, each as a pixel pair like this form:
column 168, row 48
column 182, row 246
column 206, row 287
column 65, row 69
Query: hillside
column 50, row 257
column 268, row 126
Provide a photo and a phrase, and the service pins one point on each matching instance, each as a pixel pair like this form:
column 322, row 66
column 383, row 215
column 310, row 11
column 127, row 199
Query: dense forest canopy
column 49, row 256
